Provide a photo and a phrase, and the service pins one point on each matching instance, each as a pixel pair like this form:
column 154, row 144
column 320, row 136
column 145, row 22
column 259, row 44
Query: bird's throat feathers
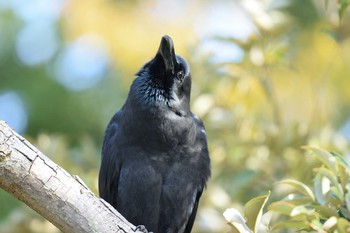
column 149, row 91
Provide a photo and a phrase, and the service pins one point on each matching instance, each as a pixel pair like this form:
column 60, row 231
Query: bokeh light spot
column 82, row 64
column 345, row 129
column 36, row 43
column 37, row 10
column 221, row 51
column 12, row 110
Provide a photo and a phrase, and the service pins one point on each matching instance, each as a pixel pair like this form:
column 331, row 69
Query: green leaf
column 236, row 221
column 347, row 197
column 325, row 211
column 316, row 225
column 330, row 224
column 320, row 189
column 343, row 225
column 343, row 176
column 300, row 187
column 253, row 211
column 330, row 175
column 340, row 160
column 297, row 199
column 233, row 229
column 237, row 228
column 325, row 157
column 302, row 212
column 336, row 188
column 299, row 210
column 282, row 207
column 337, row 198
column 342, row 5
column 344, row 212
column 288, row 224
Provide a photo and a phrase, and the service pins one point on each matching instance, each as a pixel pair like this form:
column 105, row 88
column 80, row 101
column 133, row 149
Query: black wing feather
column 193, row 214
column 109, row 171
column 206, row 171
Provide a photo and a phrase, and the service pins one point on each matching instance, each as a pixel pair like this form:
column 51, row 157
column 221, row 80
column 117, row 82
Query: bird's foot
column 142, row 228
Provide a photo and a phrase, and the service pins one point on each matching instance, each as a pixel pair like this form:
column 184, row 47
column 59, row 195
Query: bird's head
column 164, row 81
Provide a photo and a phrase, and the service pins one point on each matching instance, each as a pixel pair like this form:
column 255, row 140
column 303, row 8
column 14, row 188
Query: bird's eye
column 180, row 74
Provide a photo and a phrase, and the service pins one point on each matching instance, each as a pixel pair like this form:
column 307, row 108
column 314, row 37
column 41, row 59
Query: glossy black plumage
column 155, row 160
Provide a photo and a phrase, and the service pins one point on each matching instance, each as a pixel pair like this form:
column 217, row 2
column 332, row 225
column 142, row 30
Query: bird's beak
column 167, row 52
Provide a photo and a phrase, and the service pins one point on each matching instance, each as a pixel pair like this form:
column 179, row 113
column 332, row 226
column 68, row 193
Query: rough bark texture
column 48, row 189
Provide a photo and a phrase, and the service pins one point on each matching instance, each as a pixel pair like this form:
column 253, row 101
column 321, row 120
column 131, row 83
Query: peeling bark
column 48, row 189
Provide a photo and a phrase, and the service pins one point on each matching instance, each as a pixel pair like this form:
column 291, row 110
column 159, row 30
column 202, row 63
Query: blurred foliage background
column 269, row 76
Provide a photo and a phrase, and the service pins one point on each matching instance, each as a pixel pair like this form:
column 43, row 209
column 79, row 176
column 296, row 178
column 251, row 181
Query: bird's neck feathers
column 151, row 93
column 147, row 93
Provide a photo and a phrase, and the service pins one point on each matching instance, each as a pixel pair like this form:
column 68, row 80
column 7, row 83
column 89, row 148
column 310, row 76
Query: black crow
column 155, row 160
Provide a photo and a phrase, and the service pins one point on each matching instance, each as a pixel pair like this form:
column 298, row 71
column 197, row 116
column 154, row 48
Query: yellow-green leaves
column 299, row 187
column 236, row 221
column 342, row 5
column 323, row 208
column 324, row 156
column 283, row 207
column 253, row 212
column 326, row 207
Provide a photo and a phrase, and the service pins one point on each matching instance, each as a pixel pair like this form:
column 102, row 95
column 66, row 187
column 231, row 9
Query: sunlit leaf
column 343, row 225
column 291, row 224
column 344, row 212
column 325, row 157
column 337, row 196
column 342, row 5
column 343, row 176
column 340, row 159
column 282, row 207
column 300, row 187
column 319, row 189
column 337, row 190
column 236, row 220
column 316, row 224
column 330, row 224
column 298, row 200
column 299, row 210
column 233, row 229
column 347, row 197
column 238, row 228
column 253, row 211
column 325, row 211
column 329, row 174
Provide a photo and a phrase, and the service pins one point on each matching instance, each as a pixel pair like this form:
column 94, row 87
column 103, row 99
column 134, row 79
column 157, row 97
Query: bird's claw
column 142, row 228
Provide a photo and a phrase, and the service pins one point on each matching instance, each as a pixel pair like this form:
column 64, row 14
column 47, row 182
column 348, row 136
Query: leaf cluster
column 324, row 207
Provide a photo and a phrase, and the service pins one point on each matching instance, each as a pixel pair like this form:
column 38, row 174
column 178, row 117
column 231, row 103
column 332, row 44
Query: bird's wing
column 110, row 164
column 190, row 222
column 205, row 169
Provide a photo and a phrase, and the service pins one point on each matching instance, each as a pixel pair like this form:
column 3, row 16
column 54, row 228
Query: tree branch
column 48, row 189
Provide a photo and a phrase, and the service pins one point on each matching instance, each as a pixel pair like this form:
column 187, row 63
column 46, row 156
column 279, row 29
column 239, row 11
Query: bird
column 155, row 160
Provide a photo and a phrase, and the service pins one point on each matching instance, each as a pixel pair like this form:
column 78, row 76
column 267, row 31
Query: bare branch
column 48, row 189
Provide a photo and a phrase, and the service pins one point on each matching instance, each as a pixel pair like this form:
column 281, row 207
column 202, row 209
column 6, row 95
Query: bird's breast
column 161, row 132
